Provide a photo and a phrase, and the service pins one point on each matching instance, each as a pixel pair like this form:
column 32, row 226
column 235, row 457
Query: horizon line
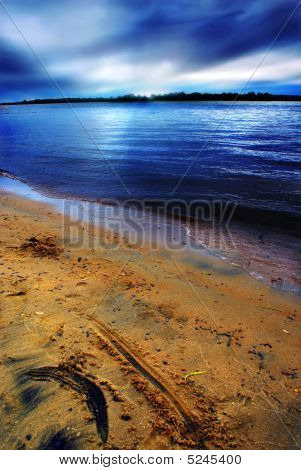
column 171, row 96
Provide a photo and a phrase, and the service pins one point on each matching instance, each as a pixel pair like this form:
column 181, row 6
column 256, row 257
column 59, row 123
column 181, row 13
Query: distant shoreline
column 181, row 96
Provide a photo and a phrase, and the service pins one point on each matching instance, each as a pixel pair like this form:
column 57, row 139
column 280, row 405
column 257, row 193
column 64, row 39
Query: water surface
column 247, row 153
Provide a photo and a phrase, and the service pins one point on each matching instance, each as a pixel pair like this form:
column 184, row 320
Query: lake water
column 110, row 150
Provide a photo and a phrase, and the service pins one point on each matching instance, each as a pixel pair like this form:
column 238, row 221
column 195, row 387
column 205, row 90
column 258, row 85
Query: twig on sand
column 200, row 372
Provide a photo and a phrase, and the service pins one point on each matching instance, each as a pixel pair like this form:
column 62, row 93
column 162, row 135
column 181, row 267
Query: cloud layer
column 97, row 47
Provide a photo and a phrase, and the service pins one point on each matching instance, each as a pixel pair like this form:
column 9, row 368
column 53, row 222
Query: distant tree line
column 180, row 96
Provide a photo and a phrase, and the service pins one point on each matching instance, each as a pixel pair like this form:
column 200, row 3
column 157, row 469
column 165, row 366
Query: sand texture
column 137, row 349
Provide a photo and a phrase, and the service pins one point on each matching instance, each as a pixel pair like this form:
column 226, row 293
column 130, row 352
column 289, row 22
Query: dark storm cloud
column 189, row 34
column 21, row 73
column 13, row 62
column 205, row 32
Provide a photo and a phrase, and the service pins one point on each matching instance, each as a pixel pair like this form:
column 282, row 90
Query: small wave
column 7, row 174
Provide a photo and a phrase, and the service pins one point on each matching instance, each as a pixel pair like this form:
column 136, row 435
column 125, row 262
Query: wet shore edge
column 188, row 211
column 253, row 233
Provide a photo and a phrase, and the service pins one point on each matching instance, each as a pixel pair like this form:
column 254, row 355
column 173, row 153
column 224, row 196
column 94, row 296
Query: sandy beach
column 137, row 349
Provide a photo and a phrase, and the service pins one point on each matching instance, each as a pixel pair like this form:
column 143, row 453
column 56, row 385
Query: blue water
column 251, row 155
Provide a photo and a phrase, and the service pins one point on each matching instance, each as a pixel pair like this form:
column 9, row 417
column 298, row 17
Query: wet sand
column 137, row 349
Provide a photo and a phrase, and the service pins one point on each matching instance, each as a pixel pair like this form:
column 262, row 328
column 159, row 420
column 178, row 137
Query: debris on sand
column 46, row 247
column 16, row 294
column 290, row 373
column 198, row 372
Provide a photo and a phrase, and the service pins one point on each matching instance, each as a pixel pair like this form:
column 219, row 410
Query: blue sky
column 112, row 47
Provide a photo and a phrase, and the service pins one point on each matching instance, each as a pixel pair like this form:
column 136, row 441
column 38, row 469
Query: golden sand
column 186, row 350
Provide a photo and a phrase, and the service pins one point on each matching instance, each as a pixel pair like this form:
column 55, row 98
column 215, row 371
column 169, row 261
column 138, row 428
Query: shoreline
column 168, row 337
column 266, row 255
column 250, row 212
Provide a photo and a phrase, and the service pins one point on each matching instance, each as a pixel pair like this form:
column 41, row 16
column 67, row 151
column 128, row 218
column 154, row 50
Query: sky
column 114, row 47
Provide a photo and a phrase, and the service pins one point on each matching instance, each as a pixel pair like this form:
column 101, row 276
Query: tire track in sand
column 135, row 359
